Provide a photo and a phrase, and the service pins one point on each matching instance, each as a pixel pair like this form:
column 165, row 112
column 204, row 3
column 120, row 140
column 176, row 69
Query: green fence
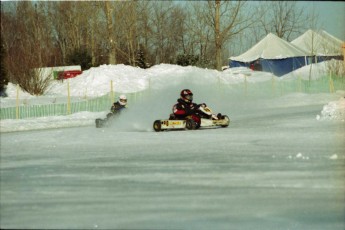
column 99, row 104
column 275, row 87
column 278, row 87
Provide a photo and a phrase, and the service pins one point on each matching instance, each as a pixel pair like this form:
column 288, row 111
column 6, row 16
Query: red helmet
column 187, row 95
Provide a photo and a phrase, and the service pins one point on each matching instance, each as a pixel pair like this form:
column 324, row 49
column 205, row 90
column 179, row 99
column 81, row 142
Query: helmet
column 122, row 99
column 187, row 95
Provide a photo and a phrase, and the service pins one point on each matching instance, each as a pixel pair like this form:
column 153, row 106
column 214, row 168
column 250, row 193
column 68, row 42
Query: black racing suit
column 183, row 109
column 115, row 109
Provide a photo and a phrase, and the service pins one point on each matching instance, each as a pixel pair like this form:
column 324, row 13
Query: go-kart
column 203, row 117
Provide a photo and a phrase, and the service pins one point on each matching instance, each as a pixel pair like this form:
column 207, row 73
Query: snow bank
column 96, row 81
column 316, row 71
column 12, row 91
column 334, row 110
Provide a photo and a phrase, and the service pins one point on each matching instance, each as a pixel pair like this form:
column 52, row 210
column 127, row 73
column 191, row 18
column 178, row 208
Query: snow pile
column 12, row 91
column 334, row 110
column 240, row 74
column 334, row 157
column 315, row 71
column 96, row 81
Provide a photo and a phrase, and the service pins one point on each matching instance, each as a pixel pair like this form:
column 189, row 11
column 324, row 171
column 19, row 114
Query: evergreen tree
column 3, row 74
column 80, row 57
column 140, row 60
column 187, row 59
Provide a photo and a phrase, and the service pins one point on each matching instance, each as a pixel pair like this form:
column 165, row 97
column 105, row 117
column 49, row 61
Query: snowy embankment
column 334, row 110
column 165, row 79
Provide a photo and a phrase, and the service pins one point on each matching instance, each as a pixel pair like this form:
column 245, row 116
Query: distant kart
column 203, row 117
column 100, row 123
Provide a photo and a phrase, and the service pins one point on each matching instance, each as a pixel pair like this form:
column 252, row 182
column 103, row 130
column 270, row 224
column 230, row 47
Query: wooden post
column 331, row 85
column 245, row 84
column 17, row 103
column 299, row 84
column 344, row 52
column 111, row 92
column 68, row 99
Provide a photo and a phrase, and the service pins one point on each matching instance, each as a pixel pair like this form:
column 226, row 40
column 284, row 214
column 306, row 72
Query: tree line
column 38, row 34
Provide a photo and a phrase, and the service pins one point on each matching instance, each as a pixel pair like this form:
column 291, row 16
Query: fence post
column 331, row 85
column 68, row 99
column 17, row 103
column 299, row 84
column 111, row 91
column 245, row 84
column 343, row 46
column 273, row 86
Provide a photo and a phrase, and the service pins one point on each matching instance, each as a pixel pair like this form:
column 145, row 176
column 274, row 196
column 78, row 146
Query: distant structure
column 275, row 55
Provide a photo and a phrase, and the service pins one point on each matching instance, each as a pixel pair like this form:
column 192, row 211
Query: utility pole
column 111, row 38
column 218, row 37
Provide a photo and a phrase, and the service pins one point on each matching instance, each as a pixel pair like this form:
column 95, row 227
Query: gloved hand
column 202, row 105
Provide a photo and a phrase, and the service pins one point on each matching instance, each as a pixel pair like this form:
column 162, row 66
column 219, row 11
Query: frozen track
column 276, row 169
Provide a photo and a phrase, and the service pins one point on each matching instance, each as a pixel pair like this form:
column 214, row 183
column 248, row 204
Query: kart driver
column 185, row 106
column 118, row 106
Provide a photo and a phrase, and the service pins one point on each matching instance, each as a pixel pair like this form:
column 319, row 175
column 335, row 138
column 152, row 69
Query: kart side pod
column 161, row 125
column 190, row 124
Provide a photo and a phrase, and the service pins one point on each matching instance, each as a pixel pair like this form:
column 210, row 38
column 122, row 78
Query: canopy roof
column 270, row 47
column 319, row 43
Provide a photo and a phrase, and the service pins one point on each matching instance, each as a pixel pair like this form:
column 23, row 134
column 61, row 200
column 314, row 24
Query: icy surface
column 279, row 164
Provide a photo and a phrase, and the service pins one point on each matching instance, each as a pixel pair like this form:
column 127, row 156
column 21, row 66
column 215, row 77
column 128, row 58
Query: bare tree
column 69, row 22
column 108, row 9
column 168, row 27
column 27, row 42
column 199, row 34
column 113, row 32
column 284, row 18
column 144, row 28
column 160, row 19
column 126, row 31
column 225, row 19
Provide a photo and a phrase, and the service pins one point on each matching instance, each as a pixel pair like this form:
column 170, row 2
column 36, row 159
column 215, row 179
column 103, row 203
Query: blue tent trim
column 280, row 67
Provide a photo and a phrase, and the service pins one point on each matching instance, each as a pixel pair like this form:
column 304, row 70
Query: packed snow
column 279, row 164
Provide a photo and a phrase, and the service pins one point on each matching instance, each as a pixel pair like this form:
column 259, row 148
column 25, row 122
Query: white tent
column 274, row 54
column 319, row 43
column 270, row 47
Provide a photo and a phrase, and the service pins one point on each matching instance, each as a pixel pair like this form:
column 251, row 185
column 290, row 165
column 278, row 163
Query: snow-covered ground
column 279, row 165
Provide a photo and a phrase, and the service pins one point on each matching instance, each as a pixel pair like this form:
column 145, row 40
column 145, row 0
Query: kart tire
column 99, row 123
column 191, row 124
column 226, row 118
column 157, row 126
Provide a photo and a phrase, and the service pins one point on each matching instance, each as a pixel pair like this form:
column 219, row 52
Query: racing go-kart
column 106, row 122
column 203, row 117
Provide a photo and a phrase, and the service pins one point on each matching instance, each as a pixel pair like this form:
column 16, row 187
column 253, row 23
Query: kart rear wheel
column 98, row 122
column 227, row 119
column 191, row 124
column 157, row 126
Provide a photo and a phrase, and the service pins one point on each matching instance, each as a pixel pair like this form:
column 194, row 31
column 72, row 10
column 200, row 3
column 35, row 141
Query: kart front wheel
column 157, row 126
column 227, row 120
